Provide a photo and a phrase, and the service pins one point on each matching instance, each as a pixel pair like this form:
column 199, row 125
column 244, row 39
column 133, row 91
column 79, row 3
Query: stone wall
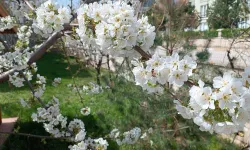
column 218, row 47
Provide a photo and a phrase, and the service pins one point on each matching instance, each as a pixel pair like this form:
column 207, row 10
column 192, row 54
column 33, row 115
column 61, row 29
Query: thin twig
column 234, row 138
column 31, row 88
column 120, row 67
column 142, row 53
column 71, row 72
column 29, row 5
column 32, row 135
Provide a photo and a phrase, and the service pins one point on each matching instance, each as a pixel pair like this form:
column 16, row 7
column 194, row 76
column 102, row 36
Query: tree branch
column 41, row 50
column 36, row 55
column 142, row 53
column 44, row 47
column 32, row 135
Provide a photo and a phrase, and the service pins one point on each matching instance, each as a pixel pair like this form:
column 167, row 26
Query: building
column 201, row 7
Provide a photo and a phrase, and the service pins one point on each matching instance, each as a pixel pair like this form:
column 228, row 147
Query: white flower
column 183, row 111
column 85, row 111
column 219, row 82
column 80, row 136
column 204, row 125
column 226, row 99
column 202, row 95
column 56, row 81
column 140, row 75
column 241, row 118
column 101, row 144
column 76, row 124
column 16, row 80
column 177, row 77
column 39, row 91
column 144, row 135
column 114, row 133
column 130, row 137
column 162, row 75
column 40, row 79
column 225, row 127
column 154, row 63
column 80, row 146
column 50, row 18
column 245, row 100
column 173, row 61
column 187, row 64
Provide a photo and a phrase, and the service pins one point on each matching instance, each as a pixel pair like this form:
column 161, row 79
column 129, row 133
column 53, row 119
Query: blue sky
column 67, row 2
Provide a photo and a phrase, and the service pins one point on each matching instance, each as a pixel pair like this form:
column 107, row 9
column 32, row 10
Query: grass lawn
column 124, row 107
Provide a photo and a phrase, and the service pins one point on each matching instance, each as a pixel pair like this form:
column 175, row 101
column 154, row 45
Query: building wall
column 201, row 7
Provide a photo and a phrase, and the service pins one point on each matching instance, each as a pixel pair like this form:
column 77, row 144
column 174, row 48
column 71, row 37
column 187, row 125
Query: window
column 203, row 11
column 248, row 3
column 244, row 23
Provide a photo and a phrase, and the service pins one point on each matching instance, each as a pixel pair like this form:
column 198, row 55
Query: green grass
column 120, row 107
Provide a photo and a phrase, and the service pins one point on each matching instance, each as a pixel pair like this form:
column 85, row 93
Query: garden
column 88, row 79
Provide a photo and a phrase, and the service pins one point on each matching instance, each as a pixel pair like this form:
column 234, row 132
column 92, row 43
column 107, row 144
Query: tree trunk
column 98, row 70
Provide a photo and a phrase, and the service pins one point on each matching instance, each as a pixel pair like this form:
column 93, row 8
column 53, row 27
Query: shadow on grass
column 51, row 65
column 17, row 142
column 55, row 65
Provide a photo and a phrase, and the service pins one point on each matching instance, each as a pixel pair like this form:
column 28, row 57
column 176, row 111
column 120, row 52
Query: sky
column 67, row 2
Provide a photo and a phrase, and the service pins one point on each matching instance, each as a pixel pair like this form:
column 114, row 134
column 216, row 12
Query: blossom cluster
column 161, row 70
column 7, row 22
column 1, row 47
column 113, row 26
column 129, row 137
column 221, row 109
column 89, row 143
column 15, row 60
column 56, row 81
column 17, row 79
column 50, row 18
column 90, row 88
column 58, row 126
column 40, row 86
column 20, row 9
column 24, row 33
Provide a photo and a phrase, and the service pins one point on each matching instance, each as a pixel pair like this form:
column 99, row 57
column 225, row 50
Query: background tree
column 173, row 17
column 224, row 14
